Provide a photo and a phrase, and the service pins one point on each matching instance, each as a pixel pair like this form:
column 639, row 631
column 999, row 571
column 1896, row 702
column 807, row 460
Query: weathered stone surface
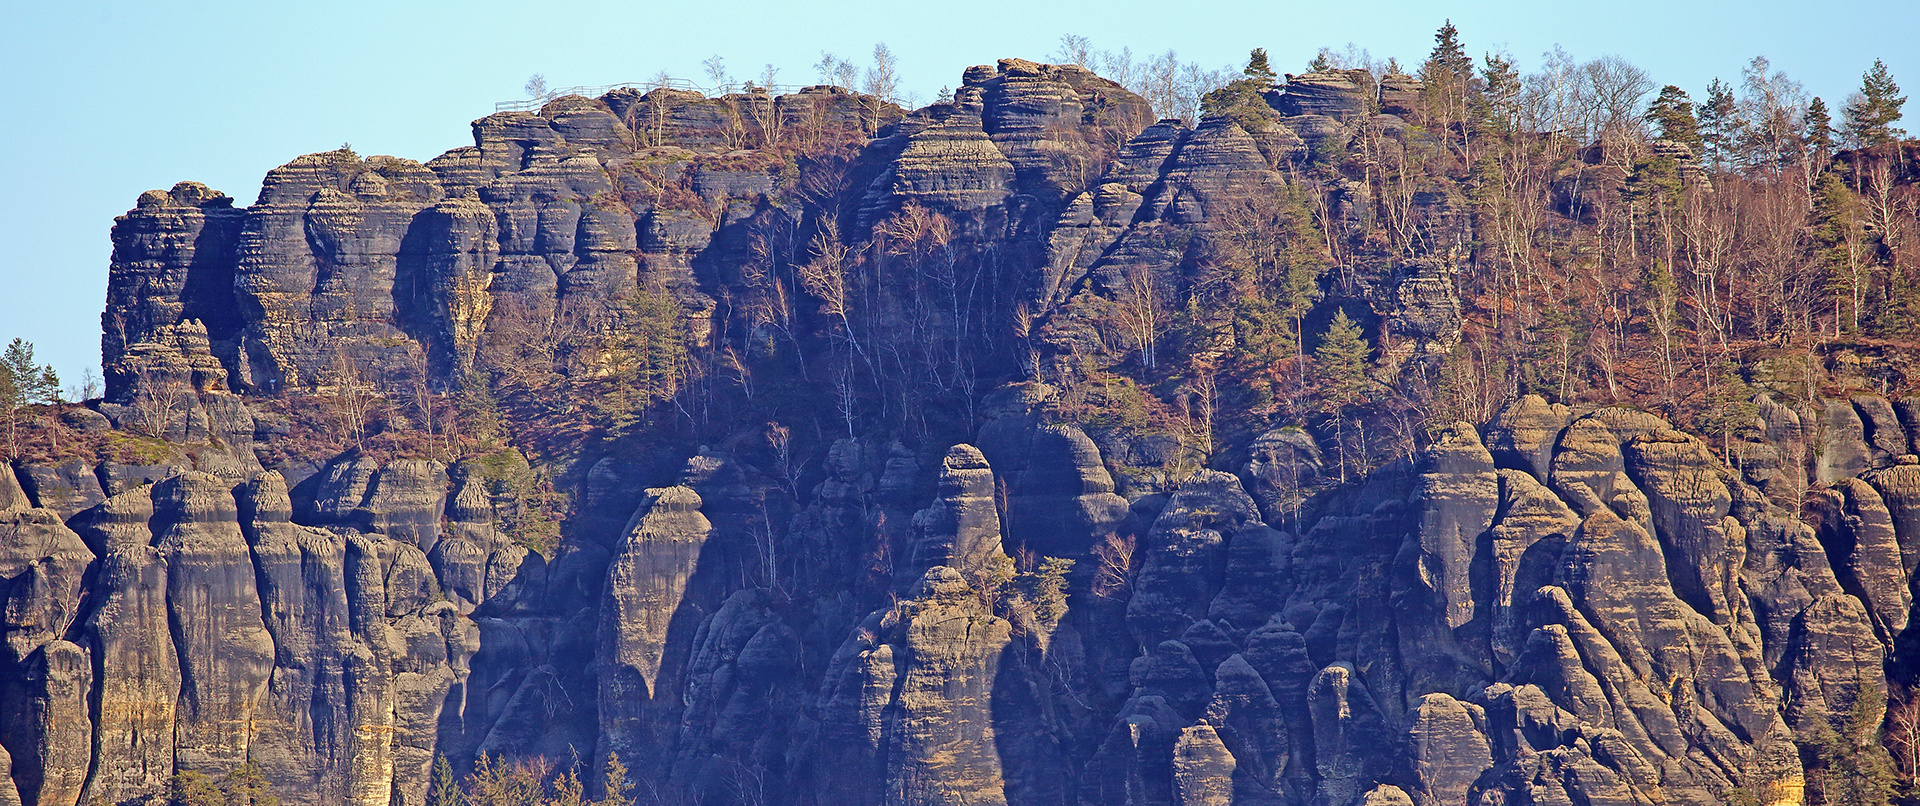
column 1522, row 435
column 52, row 740
column 65, row 489
column 1186, row 556
column 1333, row 93
column 917, row 682
column 1458, row 492
column 1589, row 609
column 644, row 608
column 1425, row 310
column 1531, row 528
column 214, row 610
column 1202, row 769
column 1855, row 526
column 1284, row 464
column 1448, row 747
column 173, row 260
column 1886, row 439
column 962, row 529
column 1843, row 450
column 138, row 663
column 1346, row 725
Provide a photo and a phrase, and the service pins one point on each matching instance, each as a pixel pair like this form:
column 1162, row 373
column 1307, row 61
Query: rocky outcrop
column 961, row 531
column 222, row 633
column 647, row 618
column 908, row 703
column 973, row 600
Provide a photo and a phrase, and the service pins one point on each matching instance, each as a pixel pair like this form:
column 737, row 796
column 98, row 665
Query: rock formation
column 1015, row 592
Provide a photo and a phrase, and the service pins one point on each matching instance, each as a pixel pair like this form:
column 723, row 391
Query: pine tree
column 1257, row 66
column 1871, row 113
column 1839, row 248
column 1673, row 113
column 1854, row 769
column 1500, row 95
column 1719, row 124
column 1819, row 125
column 246, row 786
column 1449, row 60
column 193, row 788
column 1341, row 364
column 619, row 791
column 1243, row 99
column 23, row 383
column 445, row 789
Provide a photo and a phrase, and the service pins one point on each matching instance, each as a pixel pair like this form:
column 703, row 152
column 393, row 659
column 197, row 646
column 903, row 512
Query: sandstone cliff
column 967, row 573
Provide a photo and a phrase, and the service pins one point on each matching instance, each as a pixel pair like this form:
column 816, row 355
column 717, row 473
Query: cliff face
column 1556, row 606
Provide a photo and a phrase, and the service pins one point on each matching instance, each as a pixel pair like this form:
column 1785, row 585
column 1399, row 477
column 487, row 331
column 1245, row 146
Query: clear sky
column 104, row 100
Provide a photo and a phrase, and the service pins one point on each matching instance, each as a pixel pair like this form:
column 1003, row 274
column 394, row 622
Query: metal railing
column 535, row 103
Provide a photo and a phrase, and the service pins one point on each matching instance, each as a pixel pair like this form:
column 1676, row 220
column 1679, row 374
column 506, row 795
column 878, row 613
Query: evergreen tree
column 1341, row 364
column 1447, row 85
column 1854, row 769
column 1501, row 86
column 192, row 788
column 1257, row 67
column 1243, row 99
column 645, row 363
column 1719, row 124
column 246, row 786
column 1449, row 60
column 619, row 791
column 1673, row 113
column 445, row 789
column 1819, row 125
column 1871, row 113
column 1839, row 248
column 23, row 383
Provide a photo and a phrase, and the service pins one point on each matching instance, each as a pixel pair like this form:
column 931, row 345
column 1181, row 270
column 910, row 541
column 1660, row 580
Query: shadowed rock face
column 1558, row 606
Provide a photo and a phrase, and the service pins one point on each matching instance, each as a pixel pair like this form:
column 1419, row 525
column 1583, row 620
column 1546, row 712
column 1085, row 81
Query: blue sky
column 107, row 99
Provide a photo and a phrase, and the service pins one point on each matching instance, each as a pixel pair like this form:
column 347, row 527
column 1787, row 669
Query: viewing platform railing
column 533, row 104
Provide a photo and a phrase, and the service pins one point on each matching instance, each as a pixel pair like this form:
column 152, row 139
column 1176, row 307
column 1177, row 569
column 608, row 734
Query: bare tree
column 715, row 69
column 1113, row 558
column 1074, row 50
column 157, row 399
column 883, row 77
column 764, row 107
column 1119, row 66
column 836, row 71
column 1140, row 314
column 353, row 398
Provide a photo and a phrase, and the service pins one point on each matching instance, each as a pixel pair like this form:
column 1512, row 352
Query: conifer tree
column 1341, row 362
column 1257, row 66
column 246, row 786
column 619, row 791
column 194, row 788
column 1448, row 79
column 444, row 789
column 1672, row 111
column 1501, row 88
column 1819, row 125
column 1243, row 99
column 23, row 383
column 1449, row 59
column 1719, row 124
column 1840, row 248
column 1871, row 113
